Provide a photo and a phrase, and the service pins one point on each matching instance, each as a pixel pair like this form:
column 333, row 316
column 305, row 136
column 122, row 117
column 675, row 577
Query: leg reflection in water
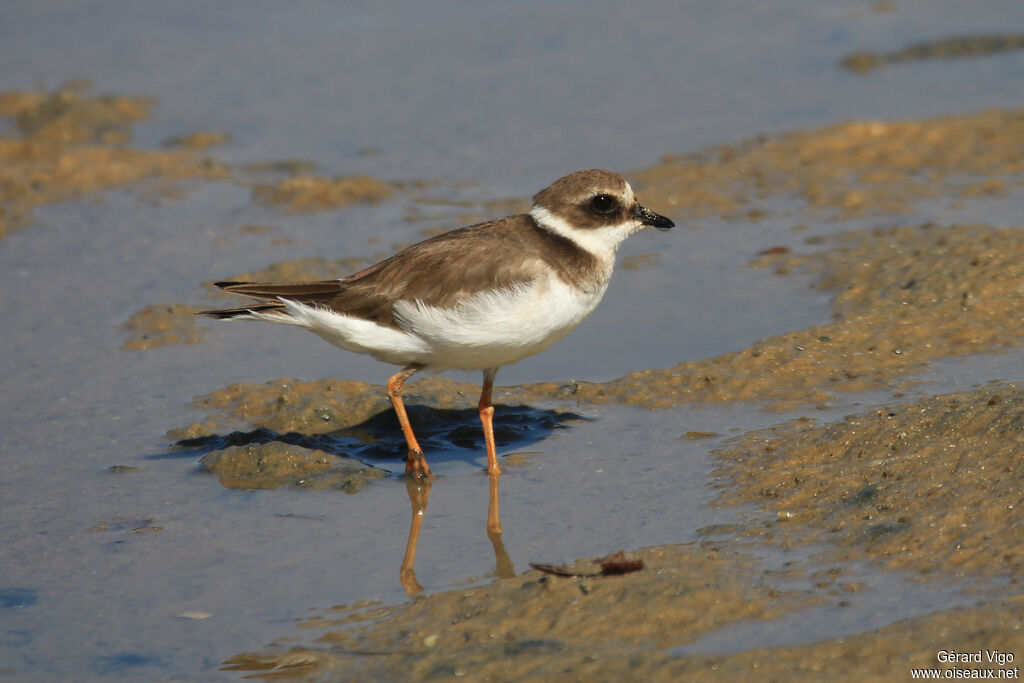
column 504, row 567
column 419, row 495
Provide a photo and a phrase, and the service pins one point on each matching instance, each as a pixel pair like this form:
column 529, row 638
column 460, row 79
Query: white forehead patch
column 628, row 197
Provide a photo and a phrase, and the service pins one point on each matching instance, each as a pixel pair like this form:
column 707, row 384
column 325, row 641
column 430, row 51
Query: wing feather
column 439, row 272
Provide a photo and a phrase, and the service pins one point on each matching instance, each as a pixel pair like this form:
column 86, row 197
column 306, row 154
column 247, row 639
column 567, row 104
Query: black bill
column 655, row 220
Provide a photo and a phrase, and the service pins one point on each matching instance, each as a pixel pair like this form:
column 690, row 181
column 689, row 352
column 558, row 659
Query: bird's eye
column 603, row 203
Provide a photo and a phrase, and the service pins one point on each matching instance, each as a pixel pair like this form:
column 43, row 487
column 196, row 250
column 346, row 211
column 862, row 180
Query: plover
column 476, row 298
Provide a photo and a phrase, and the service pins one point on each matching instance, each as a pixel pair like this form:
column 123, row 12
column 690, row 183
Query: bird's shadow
column 453, row 434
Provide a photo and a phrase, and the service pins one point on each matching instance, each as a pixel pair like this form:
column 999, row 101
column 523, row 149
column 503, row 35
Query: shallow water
column 159, row 573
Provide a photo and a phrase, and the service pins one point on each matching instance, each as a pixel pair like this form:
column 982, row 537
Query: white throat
column 601, row 242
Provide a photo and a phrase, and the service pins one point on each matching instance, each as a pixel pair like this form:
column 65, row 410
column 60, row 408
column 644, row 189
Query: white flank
column 350, row 333
column 491, row 329
column 497, row 327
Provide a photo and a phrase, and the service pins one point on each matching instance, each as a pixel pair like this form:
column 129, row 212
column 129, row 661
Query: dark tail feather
column 229, row 313
column 304, row 291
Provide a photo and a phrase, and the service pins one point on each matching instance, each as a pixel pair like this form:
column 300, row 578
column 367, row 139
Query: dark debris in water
column 612, row 565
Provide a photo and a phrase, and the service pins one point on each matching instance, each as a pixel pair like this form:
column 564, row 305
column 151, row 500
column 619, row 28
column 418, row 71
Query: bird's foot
column 416, row 465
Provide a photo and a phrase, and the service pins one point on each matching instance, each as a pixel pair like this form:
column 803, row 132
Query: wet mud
column 305, row 194
column 883, row 655
column 605, row 653
column 162, row 324
column 956, row 47
column 538, row 626
column 70, row 144
column 275, row 463
column 851, row 169
column 309, row 434
column 930, row 487
column 895, row 307
column 902, row 297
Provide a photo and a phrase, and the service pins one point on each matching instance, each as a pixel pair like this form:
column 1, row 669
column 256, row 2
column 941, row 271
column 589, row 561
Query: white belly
column 492, row 329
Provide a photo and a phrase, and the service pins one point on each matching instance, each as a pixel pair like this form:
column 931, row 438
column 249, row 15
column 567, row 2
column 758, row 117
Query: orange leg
column 487, row 419
column 415, row 463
